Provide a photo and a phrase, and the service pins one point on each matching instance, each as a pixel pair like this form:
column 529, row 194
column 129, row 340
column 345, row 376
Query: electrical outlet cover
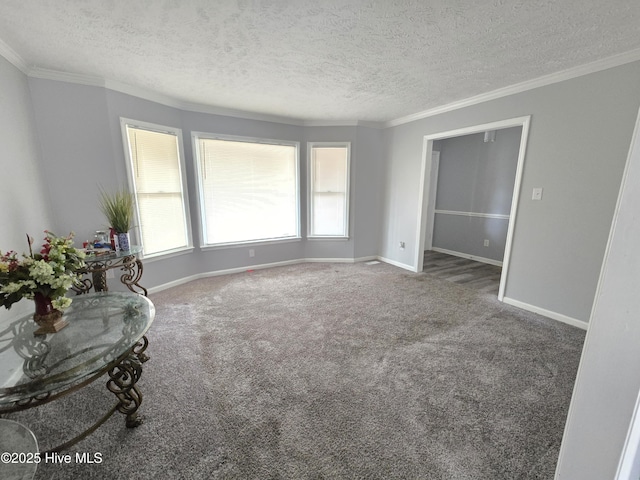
column 537, row 193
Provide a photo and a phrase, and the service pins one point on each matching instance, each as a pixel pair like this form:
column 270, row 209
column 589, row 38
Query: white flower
column 15, row 286
column 41, row 272
column 61, row 303
column 63, row 281
column 11, row 287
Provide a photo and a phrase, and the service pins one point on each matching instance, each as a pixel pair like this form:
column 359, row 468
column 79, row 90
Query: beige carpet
column 332, row 371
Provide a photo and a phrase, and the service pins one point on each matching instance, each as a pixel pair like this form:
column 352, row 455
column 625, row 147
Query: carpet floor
column 331, row 371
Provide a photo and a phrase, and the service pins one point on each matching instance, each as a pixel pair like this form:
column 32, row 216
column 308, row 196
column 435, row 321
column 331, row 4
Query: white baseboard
column 366, row 259
column 216, row 273
column 338, row 260
column 396, row 264
column 547, row 313
column 490, row 261
column 174, row 283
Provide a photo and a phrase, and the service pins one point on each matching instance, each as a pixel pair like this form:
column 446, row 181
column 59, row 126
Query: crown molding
column 144, row 94
column 230, row 112
column 343, row 123
column 593, row 67
column 48, row 74
column 330, row 123
column 168, row 101
column 13, row 57
column 156, row 97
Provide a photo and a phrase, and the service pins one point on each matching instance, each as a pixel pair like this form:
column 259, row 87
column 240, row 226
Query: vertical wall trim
column 526, row 121
column 431, row 202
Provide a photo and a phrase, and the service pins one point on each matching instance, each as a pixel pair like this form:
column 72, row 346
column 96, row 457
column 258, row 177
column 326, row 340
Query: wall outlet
column 252, row 252
column 537, row 194
column 486, row 242
column 401, row 245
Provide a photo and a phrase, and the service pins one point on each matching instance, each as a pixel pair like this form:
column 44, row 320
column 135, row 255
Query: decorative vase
column 113, row 237
column 123, row 241
column 47, row 317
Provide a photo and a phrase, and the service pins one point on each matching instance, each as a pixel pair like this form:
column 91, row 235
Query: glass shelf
column 105, row 255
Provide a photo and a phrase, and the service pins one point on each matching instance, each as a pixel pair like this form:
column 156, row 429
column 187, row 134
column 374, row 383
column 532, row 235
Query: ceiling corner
column 13, row 57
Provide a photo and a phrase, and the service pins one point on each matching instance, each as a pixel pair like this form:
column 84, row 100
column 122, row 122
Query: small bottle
column 100, row 239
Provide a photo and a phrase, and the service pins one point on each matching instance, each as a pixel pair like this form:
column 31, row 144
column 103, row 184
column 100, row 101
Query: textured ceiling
column 330, row 60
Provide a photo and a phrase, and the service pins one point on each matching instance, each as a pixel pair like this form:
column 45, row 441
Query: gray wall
column 476, row 177
column 79, row 132
column 608, row 380
column 24, row 194
column 578, row 140
column 77, row 153
column 367, row 181
column 466, row 235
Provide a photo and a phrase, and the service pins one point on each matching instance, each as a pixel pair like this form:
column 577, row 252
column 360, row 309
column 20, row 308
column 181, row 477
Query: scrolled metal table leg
column 82, row 286
column 122, row 382
column 99, row 276
column 140, row 347
column 132, row 268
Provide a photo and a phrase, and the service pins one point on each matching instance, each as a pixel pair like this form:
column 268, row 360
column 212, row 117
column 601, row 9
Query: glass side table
column 21, row 445
column 105, row 335
column 98, row 264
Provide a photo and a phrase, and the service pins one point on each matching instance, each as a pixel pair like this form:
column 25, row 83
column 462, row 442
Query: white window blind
column 329, row 191
column 249, row 190
column 158, row 179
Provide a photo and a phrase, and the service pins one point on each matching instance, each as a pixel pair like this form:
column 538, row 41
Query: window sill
column 331, row 239
column 249, row 243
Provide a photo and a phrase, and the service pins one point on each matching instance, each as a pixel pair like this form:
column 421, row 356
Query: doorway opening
column 428, row 191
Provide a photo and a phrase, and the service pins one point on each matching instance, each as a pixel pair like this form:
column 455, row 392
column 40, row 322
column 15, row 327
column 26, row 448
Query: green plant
column 118, row 209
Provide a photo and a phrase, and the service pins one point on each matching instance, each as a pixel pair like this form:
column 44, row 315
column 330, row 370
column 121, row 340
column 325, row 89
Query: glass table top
column 102, row 255
column 102, row 328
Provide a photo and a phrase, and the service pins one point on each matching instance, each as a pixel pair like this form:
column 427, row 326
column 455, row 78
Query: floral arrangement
column 51, row 272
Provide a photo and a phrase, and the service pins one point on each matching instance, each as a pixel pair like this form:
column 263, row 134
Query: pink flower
column 46, row 248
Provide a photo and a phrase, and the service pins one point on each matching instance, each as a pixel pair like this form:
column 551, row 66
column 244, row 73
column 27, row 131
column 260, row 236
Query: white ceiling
column 325, row 60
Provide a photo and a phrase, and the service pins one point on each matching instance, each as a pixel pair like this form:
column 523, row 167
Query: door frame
column 431, row 201
column 427, row 172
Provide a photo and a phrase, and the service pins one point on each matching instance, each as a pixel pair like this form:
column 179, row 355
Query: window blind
column 248, row 190
column 157, row 175
column 329, row 167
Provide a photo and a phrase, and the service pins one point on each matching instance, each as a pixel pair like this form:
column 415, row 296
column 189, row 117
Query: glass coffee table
column 105, row 335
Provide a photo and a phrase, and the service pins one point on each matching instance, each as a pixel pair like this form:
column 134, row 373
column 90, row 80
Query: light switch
column 537, row 194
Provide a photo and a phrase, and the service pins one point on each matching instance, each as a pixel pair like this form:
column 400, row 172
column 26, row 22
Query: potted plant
column 44, row 277
column 118, row 209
